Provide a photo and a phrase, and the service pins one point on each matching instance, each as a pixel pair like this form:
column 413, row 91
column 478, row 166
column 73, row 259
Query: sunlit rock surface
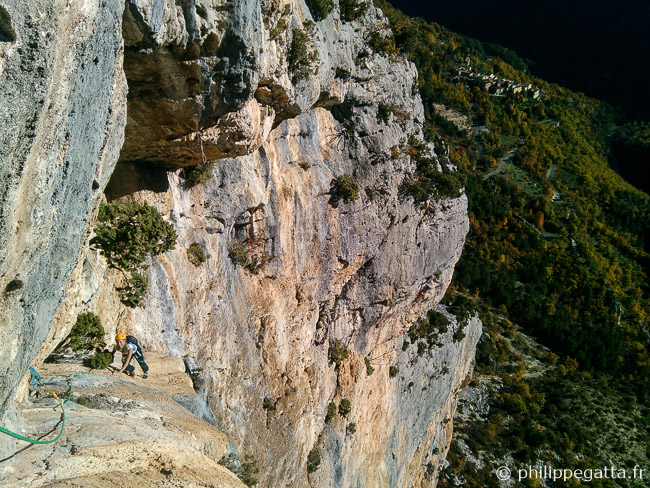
column 210, row 80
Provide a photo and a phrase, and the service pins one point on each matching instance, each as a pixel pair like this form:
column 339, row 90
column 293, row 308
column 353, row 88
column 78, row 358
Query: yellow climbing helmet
column 120, row 337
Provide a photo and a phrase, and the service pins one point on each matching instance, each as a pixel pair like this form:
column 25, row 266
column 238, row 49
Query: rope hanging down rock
column 35, row 380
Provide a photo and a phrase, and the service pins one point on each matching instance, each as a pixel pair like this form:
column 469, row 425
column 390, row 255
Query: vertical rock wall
column 62, row 114
column 360, row 272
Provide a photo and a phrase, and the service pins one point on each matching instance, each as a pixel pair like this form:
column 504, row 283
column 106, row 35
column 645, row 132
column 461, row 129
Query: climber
column 130, row 348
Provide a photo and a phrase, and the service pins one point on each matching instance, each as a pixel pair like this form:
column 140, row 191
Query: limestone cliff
column 218, row 80
column 62, row 113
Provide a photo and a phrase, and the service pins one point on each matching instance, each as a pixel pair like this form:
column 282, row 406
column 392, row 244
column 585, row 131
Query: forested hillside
column 596, row 47
column 555, row 252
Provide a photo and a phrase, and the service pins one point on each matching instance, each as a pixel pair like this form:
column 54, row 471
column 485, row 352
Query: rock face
column 62, row 113
column 297, row 265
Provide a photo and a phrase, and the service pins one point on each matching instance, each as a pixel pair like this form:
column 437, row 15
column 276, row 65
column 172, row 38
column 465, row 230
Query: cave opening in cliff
column 129, row 178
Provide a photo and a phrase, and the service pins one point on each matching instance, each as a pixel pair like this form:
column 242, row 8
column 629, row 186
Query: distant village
column 497, row 86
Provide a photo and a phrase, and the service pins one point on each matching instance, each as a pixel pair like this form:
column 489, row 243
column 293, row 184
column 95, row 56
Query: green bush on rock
column 250, row 254
column 303, row 59
column 337, row 352
column 246, row 471
column 100, row 360
column 134, row 290
column 198, row 175
column 331, row 412
column 427, row 182
column 351, row 10
column 369, row 368
column 126, row 234
column 313, row 460
column 86, row 334
column 345, row 407
column 196, row 254
column 320, row 8
column 347, row 188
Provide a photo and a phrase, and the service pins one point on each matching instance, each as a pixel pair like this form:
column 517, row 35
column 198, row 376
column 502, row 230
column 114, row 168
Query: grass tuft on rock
column 196, row 254
column 197, row 175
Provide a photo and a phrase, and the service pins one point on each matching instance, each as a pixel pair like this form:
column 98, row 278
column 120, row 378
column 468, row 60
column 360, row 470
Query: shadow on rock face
column 129, row 178
column 7, row 33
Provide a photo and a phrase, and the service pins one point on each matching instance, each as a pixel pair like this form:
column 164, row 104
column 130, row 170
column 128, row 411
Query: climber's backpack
column 138, row 348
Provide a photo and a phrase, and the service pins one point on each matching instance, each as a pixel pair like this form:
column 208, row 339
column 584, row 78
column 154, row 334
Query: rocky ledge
column 119, row 431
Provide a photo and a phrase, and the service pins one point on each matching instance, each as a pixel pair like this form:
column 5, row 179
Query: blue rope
column 35, row 379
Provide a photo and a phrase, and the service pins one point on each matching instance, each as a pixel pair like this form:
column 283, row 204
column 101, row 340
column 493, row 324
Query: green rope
column 36, row 441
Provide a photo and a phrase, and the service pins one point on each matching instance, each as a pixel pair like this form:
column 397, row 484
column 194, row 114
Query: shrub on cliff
column 246, row 471
column 86, row 334
column 385, row 111
column 428, row 182
column 346, row 188
column 429, row 328
column 259, row 259
column 129, row 232
column 461, row 306
column 196, row 254
column 313, row 460
column 134, row 290
column 382, row 44
column 337, row 352
column 126, row 234
column 250, row 254
column 320, row 8
column 351, row 10
column 268, row 404
column 369, row 368
column 197, row 175
column 303, row 59
column 345, row 407
column 238, row 253
column 99, row 360
column 331, row 412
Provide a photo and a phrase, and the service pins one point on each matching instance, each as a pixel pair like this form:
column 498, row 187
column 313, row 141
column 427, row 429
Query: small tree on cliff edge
column 126, row 234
